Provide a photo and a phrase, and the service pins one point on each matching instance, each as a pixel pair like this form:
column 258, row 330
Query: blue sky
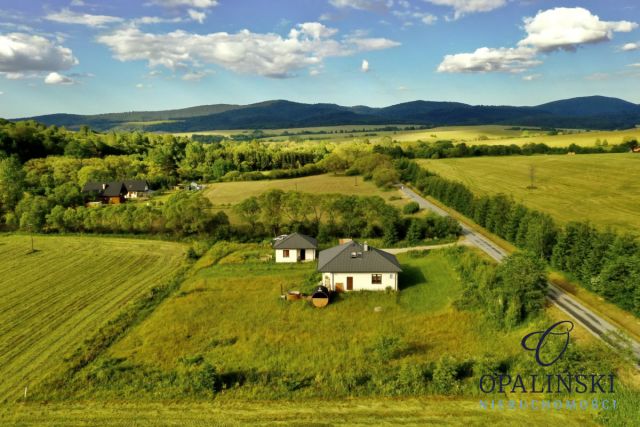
column 87, row 56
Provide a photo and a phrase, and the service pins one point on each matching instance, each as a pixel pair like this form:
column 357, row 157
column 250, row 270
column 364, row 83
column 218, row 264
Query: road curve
column 592, row 322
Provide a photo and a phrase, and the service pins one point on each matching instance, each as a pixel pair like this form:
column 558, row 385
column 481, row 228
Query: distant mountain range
column 592, row 112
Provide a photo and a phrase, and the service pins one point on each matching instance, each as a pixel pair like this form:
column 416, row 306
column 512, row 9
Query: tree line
column 164, row 159
column 330, row 216
column 183, row 214
column 447, row 149
column 604, row 262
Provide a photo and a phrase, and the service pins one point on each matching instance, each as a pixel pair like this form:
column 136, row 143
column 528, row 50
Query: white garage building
column 296, row 247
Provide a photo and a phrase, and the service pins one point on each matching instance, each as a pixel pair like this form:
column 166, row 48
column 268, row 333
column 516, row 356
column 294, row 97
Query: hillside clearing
column 53, row 299
column 601, row 188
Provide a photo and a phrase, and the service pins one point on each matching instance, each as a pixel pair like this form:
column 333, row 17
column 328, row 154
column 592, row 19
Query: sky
column 89, row 56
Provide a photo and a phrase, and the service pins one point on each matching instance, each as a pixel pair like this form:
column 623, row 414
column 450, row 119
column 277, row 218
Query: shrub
column 444, row 376
column 411, row 208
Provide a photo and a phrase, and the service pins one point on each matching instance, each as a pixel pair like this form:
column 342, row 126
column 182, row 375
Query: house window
column 285, row 253
column 376, row 279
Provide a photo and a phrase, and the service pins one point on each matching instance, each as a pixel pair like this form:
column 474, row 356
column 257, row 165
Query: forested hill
column 593, row 112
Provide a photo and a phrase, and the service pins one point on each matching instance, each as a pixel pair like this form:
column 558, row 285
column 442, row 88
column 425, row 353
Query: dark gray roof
column 136, row 185
column 114, row 189
column 296, row 241
column 351, row 257
column 92, row 186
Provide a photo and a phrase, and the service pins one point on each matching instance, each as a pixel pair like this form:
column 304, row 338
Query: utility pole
column 532, row 177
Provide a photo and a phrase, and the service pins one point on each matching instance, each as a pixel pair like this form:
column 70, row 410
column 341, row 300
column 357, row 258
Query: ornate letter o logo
column 543, row 337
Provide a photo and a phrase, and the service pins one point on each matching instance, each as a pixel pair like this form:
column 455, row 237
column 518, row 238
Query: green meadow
column 55, row 298
column 230, row 193
column 224, row 195
column 368, row 358
column 230, row 312
column 471, row 135
column 601, row 188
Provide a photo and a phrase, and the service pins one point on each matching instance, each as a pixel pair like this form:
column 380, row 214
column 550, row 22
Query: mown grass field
column 53, row 299
column 601, row 188
column 347, row 412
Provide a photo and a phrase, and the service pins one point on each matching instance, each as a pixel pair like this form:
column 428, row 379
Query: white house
column 355, row 267
column 136, row 189
column 296, row 247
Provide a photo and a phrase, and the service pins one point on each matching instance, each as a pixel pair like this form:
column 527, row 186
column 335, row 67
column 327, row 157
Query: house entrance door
column 302, row 254
column 349, row 283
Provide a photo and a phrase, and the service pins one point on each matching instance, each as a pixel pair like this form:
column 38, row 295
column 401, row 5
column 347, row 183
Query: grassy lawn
column 53, row 299
column 601, row 188
column 352, row 412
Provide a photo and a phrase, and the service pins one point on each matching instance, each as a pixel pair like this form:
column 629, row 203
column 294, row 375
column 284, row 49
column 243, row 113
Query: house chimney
column 104, row 186
column 366, row 247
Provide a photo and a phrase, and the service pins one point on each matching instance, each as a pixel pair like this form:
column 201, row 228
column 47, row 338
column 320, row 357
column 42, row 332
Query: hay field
column 53, row 299
column 601, row 188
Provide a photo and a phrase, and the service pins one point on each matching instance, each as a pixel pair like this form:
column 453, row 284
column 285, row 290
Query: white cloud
column 407, row 15
column 58, row 79
column 364, row 44
column 630, row 46
column 19, row 76
column 550, row 30
column 465, row 7
column 195, row 76
column 153, row 73
column 77, row 3
column 21, row 53
column 637, row 64
column 428, row 19
column 567, row 28
column 1, row 93
column 531, row 77
column 365, row 66
column 196, row 4
column 197, row 16
column 67, row 16
column 484, row 59
column 155, row 20
column 362, row 4
column 271, row 55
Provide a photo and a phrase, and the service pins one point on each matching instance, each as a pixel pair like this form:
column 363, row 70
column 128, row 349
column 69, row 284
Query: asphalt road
column 591, row 321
